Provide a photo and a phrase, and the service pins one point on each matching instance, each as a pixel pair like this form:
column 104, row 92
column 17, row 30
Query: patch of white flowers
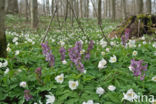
column 103, row 43
column 132, row 44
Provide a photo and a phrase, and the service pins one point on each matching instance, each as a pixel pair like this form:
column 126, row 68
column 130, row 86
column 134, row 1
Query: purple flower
column 138, row 68
column 38, row 71
column 125, row 37
column 75, row 56
column 48, row 54
column 90, row 47
column 27, row 95
column 62, row 52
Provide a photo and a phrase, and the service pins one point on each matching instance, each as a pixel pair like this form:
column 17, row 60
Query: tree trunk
column 43, row 7
column 148, row 3
column 113, row 10
column 106, row 10
column 12, row 6
column 34, row 13
column 124, row 9
column 81, row 9
column 52, row 6
column 87, row 7
column 26, row 10
column 3, row 43
column 109, row 8
column 47, row 7
column 99, row 12
column 66, row 12
column 140, row 6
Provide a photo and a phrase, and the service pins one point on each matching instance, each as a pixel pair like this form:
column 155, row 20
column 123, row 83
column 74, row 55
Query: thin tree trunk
column 43, row 8
column 52, row 6
column 66, row 12
column 87, row 9
column 26, row 10
column 124, row 9
column 140, row 6
column 47, row 7
column 81, row 9
column 149, row 7
column 99, row 12
column 109, row 8
column 3, row 43
column 34, row 13
column 113, row 10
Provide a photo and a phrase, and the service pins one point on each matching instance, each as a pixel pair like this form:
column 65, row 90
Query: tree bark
column 124, row 9
column 81, row 9
column 66, row 12
column 34, row 13
column 148, row 3
column 26, row 10
column 113, row 10
column 99, row 12
column 87, row 7
column 12, row 6
column 140, row 6
column 3, row 43
column 52, row 6
column 47, row 7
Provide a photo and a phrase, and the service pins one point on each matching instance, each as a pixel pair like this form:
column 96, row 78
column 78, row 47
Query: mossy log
column 138, row 25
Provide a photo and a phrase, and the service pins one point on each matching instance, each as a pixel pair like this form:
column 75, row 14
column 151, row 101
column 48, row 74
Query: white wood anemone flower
column 100, row 91
column 102, row 64
column 130, row 95
column 50, row 99
column 134, row 53
column 113, row 59
column 73, row 84
column 154, row 78
column 111, row 88
column 59, row 78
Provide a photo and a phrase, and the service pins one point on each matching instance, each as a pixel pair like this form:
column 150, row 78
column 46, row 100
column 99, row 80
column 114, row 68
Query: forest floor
column 70, row 69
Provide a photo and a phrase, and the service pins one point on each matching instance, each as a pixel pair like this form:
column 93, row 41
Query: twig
column 52, row 18
column 100, row 25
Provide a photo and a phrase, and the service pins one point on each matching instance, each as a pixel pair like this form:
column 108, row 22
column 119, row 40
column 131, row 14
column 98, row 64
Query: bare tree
column 148, row 3
column 99, row 12
column 3, row 43
column 34, row 13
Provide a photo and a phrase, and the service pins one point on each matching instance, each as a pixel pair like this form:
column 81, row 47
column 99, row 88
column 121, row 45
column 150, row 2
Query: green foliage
column 22, row 68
